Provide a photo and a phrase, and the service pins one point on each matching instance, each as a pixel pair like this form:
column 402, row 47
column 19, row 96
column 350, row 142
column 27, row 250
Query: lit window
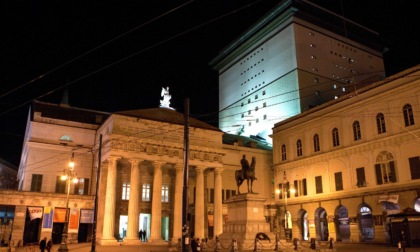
column 335, row 137
column 283, row 153
column 357, row 135
column 145, row 195
column 380, row 123
column 316, row 143
column 408, row 115
column 385, row 168
column 125, row 191
column 165, row 193
column 299, row 147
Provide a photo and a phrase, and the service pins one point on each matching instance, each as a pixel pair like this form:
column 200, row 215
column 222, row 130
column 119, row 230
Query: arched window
column 380, row 123
column 385, row 168
column 408, row 115
column 357, row 135
column 316, row 143
column 299, row 147
column 335, row 137
column 283, row 153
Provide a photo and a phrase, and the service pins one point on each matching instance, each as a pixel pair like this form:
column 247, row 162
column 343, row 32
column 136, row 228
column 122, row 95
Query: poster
column 35, row 212
column 48, row 218
column 59, row 215
column 86, row 215
column 73, row 220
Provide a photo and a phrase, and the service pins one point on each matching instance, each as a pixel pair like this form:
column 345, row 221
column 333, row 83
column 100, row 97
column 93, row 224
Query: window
column 361, row 180
column 380, row 123
column 145, row 194
column 299, row 147
column 414, row 167
column 335, row 137
column 60, row 185
column 36, row 183
column 165, row 193
column 82, row 186
column 300, row 187
column 210, row 199
column 227, row 194
column 385, row 168
column 316, row 143
column 284, row 190
column 408, row 115
column 125, row 191
column 357, row 135
column 318, row 184
column 283, row 153
column 338, row 181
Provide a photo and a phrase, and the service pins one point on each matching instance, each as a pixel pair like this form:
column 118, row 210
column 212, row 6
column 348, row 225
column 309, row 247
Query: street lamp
column 69, row 175
column 286, row 190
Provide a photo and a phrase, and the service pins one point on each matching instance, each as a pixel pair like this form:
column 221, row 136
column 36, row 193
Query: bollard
column 331, row 243
column 296, row 243
column 234, row 245
column 313, row 243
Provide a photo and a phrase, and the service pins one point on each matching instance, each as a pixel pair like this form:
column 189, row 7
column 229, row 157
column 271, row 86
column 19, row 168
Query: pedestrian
column 49, row 245
column 194, row 245
column 43, row 244
column 141, row 234
column 198, row 244
column 144, row 235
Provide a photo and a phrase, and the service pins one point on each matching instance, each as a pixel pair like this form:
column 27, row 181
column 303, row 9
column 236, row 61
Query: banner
column 59, row 214
column 35, row 212
column 48, row 217
column 86, row 215
column 74, row 220
column 388, row 198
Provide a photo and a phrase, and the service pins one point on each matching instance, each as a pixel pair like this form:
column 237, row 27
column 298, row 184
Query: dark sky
column 117, row 55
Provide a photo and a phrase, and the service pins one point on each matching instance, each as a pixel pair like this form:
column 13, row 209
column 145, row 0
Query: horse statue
column 247, row 172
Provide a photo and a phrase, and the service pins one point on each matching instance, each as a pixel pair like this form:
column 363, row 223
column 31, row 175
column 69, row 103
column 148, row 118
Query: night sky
column 117, row 55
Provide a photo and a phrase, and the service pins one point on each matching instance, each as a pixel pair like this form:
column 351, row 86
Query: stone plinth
column 245, row 220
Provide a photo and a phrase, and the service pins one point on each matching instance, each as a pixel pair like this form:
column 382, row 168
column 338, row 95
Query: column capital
column 218, row 169
column 200, row 168
column 134, row 160
column 178, row 166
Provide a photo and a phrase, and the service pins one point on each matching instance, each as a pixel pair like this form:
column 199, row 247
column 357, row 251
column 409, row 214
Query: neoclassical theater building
column 140, row 158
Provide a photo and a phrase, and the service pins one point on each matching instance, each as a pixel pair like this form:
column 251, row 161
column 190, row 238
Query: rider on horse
column 245, row 165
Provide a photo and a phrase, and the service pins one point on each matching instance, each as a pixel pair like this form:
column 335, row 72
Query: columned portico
column 177, row 231
column 199, row 202
column 156, row 227
column 218, row 207
column 133, row 204
column 109, row 212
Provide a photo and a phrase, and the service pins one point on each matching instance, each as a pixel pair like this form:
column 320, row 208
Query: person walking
column 194, row 245
column 141, row 234
column 49, row 245
column 43, row 244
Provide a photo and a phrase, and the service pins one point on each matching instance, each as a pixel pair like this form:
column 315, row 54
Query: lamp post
column 286, row 190
column 69, row 175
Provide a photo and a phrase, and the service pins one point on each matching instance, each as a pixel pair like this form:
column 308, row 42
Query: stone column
column 109, row 212
column 156, row 227
column 179, row 179
column 133, row 203
column 199, row 203
column 218, row 207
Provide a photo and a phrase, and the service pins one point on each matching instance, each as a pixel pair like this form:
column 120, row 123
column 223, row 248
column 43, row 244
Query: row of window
column 385, row 172
column 81, row 187
column 357, row 133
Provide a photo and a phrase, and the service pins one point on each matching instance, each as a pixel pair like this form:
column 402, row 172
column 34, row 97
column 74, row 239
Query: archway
column 366, row 223
column 304, row 225
column 321, row 224
column 342, row 226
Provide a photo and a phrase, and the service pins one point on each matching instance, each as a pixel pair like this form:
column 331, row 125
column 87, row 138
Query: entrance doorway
column 321, row 224
column 145, row 224
column 305, row 226
column 122, row 230
column 366, row 223
column 165, row 228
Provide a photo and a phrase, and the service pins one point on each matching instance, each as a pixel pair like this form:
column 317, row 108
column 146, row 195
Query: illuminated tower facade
column 298, row 56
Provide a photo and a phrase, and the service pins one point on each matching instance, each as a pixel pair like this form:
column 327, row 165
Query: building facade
column 296, row 57
column 342, row 168
column 140, row 173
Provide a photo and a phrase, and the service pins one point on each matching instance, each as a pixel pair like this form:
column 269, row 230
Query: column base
column 110, row 241
column 132, row 241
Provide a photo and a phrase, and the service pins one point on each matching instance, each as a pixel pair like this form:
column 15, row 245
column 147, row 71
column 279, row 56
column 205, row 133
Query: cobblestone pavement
column 147, row 247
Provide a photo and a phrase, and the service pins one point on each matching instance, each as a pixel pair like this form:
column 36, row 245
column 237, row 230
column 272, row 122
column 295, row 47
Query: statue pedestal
column 245, row 220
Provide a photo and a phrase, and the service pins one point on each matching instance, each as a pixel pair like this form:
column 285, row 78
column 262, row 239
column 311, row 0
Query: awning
column 413, row 218
column 397, row 219
column 388, row 198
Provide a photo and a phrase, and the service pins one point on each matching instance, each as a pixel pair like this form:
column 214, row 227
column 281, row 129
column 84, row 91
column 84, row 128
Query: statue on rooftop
column 165, row 103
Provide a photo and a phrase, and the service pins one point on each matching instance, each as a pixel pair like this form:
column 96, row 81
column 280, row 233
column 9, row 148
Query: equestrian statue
column 247, row 172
